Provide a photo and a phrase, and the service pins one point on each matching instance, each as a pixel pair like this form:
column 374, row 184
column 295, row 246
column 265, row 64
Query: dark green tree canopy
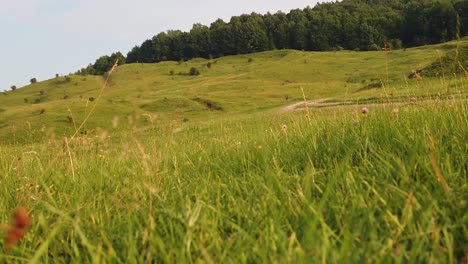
column 349, row 24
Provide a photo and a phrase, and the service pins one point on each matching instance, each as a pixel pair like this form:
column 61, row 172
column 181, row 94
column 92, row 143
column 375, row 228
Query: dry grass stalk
column 77, row 130
column 70, row 157
column 435, row 166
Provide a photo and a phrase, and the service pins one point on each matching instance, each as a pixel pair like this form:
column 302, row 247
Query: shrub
column 338, row 48
column 208, row 65
column 13, row 87
column 194, row 71
column 374, row 47
column 33, row 80
column 396, row 44
column 26, row 100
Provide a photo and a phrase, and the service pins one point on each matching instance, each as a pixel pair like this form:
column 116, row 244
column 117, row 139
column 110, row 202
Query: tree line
column 349, row 24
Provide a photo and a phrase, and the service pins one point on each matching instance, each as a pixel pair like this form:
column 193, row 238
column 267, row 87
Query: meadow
column 208, row 169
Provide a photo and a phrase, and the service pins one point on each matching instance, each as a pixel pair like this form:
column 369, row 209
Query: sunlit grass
column 247, row 183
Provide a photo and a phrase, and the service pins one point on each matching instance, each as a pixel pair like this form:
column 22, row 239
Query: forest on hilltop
column 349, row 24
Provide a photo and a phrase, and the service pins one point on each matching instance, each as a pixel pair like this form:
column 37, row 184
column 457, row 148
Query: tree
column 102, row 65
column 13, row 87
column 351, row 24
column 33, row 80
column 297, row 29
column 222, row 38
column 133, row 55
column 118, row 56
column 200, row 41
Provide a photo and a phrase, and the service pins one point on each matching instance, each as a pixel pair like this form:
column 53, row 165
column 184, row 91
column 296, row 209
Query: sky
column 41, row 38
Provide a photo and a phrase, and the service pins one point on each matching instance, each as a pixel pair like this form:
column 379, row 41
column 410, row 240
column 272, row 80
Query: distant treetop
column 349, row 24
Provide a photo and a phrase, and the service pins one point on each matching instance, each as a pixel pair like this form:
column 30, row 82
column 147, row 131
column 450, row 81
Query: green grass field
column 209, row 169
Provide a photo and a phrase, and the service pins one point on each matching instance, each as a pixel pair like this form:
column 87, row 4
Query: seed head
column 365, row 110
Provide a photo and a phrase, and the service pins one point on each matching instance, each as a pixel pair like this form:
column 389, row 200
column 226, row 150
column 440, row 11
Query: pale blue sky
column 39, row 38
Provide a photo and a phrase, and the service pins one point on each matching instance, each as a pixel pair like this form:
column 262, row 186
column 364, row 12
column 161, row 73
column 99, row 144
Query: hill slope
column 227, row 86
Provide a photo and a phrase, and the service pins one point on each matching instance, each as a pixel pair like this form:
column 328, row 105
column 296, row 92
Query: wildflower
column 259, row 147
column 364, row 110
column 395, row 112
column 18, row 228
column 284, row 127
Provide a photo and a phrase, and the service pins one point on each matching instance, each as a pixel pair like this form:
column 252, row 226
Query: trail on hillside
column 325, row 103
column 302, row 105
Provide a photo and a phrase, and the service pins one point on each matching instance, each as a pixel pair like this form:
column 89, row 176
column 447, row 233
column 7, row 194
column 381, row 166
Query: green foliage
column 374, row 47
column 455, row 62
column 33, row 80
column 194, row 72
column 395, row 44
column 351, row 25
column 13, row 87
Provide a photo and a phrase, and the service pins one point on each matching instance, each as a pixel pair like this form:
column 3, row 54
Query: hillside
column 227, row 86
column 219, row 168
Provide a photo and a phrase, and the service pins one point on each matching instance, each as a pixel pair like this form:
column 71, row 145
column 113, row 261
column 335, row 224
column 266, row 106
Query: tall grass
column 323, row 188
column 328, row 185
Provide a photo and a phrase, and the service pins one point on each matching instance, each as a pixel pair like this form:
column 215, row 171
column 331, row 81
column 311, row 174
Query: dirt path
column 302, row 105
column 322, row 103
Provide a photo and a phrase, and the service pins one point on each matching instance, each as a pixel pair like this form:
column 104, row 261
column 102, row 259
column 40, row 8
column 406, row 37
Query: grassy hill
column 227, row 86
column 212, row 169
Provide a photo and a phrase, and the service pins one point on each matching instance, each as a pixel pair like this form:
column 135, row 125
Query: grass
column 271, row 80
column 245, row 183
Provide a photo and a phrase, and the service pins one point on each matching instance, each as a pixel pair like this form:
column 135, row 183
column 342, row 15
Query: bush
column 13, row 87
column 338, row 48
column 374, row 47
column 194, row 71
column 208, row 65
column 33, row 80
column 396, row 44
